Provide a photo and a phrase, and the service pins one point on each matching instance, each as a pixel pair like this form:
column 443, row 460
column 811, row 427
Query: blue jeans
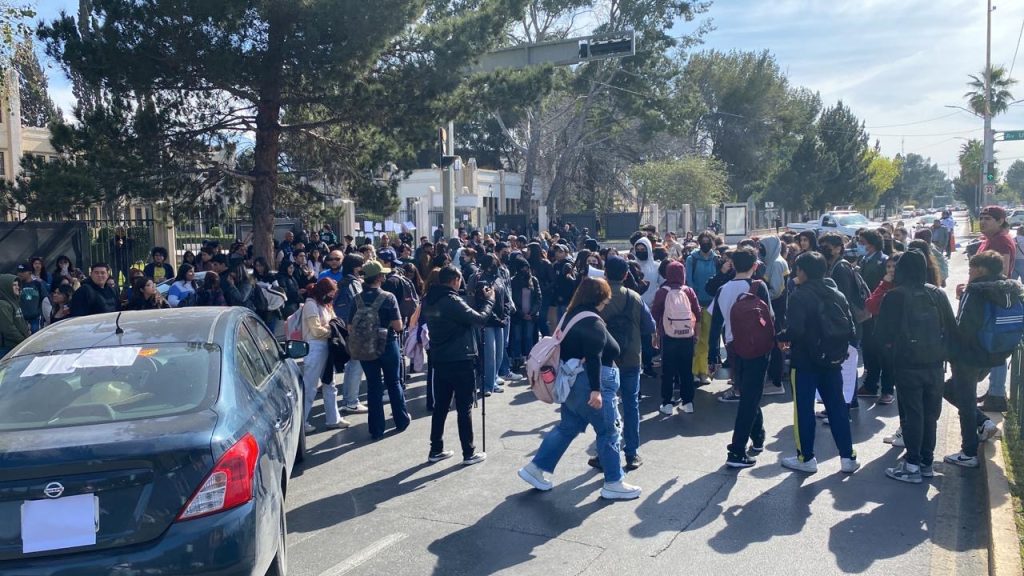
column 576, row 416
column 997, row 381
column 350, row 385
column 492, row 353
column 521, row 339
column 380, row 373
column 629, row 378
column 504, row 369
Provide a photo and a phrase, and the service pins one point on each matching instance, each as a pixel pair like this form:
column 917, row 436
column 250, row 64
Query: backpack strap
column 379, row 301
column 561, row 331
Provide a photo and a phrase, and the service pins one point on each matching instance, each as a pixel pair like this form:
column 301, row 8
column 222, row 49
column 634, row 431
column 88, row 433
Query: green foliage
column 690, row 180
column 883, row 172
column 919, row 181
column 1001, row 95
column 965, row 186
column 37, row 109
column 366, row 90
column 1015, row 179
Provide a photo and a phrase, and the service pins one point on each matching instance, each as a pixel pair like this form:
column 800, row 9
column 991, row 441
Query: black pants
column 458, row 379
column 875, row 366
column 749, row 377
column 920, row 397
column 777, row 359
column 677, row 367
column 962, row 391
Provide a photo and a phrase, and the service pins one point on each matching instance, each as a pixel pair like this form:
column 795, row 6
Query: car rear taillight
column 229, row 484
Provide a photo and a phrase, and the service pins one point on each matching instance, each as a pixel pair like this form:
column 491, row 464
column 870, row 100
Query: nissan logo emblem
column 54, row 489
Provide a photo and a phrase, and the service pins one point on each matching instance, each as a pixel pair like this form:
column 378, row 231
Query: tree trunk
column 530, row 171
column 264, row 188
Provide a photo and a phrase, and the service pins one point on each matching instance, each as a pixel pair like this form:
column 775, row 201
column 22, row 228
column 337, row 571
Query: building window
column 3, row 164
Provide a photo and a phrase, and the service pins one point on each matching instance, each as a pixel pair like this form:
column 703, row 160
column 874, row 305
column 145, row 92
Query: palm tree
column 1001, row 96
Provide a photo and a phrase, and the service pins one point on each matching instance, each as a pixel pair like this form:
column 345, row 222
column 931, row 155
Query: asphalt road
column 362, row 507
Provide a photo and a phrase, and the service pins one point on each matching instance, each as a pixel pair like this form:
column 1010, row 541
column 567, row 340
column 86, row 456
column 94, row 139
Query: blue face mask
column 862, row 250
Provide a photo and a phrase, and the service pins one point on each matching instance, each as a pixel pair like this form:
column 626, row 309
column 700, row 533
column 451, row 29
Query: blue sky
column 896, row 63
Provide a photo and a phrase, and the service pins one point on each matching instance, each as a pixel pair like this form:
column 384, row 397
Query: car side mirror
column 296, row 349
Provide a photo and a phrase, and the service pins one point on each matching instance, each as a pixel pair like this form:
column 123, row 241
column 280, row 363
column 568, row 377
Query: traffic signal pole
column 987, row 166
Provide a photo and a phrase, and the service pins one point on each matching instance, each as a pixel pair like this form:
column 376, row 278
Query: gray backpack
column 366, row 338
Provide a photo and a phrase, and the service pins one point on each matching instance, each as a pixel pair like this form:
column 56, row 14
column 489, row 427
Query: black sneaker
column 739, row 461
column 754, row 451
column 595, row 463
column 633, row 463
column 444, row 455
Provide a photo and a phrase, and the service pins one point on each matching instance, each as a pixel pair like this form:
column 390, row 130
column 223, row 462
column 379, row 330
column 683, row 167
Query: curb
column 1004, row 544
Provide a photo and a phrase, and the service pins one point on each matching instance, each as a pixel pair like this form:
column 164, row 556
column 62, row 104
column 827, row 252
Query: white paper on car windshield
column 92, row 358
column 107, row 357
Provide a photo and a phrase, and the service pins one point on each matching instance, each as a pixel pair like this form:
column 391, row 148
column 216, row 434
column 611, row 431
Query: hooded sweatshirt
column 650, row 269
column 13, row 328
column 996, row 290
column 675, row 279
column 776, row 267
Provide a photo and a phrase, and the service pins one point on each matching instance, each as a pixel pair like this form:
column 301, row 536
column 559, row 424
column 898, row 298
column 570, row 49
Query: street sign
column 1013, row 135
column 769, row 204
column 990, row 189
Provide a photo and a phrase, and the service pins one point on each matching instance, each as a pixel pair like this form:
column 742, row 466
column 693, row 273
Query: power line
column 913, row 123
column 1015, row 50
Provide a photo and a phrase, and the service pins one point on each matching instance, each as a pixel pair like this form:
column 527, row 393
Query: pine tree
column 37, row 108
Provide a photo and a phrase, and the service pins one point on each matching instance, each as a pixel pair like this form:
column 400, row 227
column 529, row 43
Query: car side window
column 266, row 343
column 248, row 354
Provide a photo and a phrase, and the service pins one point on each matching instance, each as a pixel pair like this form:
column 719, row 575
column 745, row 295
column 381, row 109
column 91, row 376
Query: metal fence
column 1016, row 399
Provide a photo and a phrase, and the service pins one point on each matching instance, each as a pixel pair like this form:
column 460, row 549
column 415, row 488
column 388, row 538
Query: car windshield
column 852, row 220
column 94, row 385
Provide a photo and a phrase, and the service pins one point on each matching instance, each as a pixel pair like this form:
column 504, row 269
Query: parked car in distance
column 161, row 440
column 845, row 222
column 1016, row 217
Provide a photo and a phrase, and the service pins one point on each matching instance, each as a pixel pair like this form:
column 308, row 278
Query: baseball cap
column 386, row 256
column 24, row 267
column 997, row 212
column 372, row 269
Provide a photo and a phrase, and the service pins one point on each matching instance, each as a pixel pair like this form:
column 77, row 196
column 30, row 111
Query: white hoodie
column 650, row 269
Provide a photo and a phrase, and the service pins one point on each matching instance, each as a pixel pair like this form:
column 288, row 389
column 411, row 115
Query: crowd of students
column 792, row 310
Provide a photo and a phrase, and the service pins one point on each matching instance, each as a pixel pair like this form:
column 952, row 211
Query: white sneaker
column 359, row 408
column 794, row 463
column 476, row 458
column 666, row 409
column 773, row 390
column 687, row 408
column 705, row 379
column 341, row 424
column 987, row 431
column 619, row 491
column 849, row 465
column 535, row 477
column 960, row 459
column 896, row 439
column 309, row 428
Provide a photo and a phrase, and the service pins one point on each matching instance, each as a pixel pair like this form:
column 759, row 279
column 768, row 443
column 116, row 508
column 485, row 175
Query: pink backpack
column 543, row 361
column 677, row 320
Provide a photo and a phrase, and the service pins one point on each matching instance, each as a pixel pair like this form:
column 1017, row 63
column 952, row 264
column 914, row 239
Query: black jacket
column 803, row 327
column 519, row 282
column 872, row 269
column 91, row 299
column 971, row 316
column 449, row 319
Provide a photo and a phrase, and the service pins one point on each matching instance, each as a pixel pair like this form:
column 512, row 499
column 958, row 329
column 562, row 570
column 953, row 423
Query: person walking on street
column 317, row 314
column 592, row 398
column 676, row 312
column 748, row 373
column 383, row 373
column 628, row 321
column 818, row 331
column 986, row 292
column 916, row 328
column 453, row 350
column 94, row 296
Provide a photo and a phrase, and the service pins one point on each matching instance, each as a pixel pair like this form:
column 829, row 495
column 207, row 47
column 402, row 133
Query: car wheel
column 279, row 566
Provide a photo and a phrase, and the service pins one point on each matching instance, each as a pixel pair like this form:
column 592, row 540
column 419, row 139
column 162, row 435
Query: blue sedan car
column 156, row 442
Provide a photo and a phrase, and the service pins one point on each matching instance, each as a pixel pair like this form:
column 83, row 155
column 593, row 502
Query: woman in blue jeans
column 592, row 398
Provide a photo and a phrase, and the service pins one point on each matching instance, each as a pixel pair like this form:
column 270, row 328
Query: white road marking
column 356, row 560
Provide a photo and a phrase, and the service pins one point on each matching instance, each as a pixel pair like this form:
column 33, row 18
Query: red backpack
column 753, row 331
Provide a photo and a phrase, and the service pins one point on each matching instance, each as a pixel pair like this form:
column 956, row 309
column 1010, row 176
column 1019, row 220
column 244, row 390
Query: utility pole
column 448, row 182
column 989, row 135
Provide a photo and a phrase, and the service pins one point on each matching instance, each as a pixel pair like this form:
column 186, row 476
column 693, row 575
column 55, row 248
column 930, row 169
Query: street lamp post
column 989, row 135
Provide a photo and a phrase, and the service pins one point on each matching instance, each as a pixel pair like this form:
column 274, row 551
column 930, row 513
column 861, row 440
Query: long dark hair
column 591, row 292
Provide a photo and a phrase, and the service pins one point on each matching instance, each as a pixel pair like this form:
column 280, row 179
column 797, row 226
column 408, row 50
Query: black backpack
column 923, row 340
column 409, row 300
column 620, row 325
column 834, row 331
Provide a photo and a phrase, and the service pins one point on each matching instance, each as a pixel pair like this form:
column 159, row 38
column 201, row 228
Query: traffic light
column 990, row 172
